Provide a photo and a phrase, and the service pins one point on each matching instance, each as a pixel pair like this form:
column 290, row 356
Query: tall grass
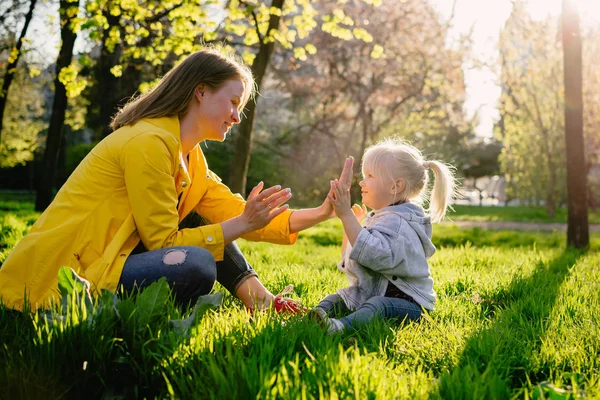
column 517, row 317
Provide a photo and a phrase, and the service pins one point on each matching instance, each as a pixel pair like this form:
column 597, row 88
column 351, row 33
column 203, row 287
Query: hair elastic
column 426, row 165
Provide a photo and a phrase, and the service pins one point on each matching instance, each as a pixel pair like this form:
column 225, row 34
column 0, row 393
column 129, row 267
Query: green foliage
column 114, row 346
column 22, row 121
column 532, row 127
column 12, row 229
column 203, row 304
column 338, row 101
column 150, row 32
column 75, row 154
column 74, row 291
column 155, row 32
column 19, row 141
column 16, row 217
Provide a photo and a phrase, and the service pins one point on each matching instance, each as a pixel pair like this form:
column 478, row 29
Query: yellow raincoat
column 124, row 191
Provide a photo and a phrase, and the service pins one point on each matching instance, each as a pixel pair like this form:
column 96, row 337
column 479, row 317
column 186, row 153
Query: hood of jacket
column 417, row 220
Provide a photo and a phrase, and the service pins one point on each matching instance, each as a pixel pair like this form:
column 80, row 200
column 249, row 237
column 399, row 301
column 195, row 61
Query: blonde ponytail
column 394, row 158
column 443, row 191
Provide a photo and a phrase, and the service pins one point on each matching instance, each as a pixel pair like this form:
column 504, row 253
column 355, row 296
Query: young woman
column 116, row 221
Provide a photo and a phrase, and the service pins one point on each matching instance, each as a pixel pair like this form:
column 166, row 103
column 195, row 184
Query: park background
column 479, row 85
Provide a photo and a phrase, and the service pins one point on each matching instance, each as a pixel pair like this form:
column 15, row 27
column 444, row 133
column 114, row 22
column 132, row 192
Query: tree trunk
column 578, row 227
column 11, row 67
column 59, row 107
column 551, row 191
column 108, row 94
column 241, row 160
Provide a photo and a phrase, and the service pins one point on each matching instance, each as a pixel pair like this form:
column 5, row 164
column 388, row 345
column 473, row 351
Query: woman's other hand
column 264, row 205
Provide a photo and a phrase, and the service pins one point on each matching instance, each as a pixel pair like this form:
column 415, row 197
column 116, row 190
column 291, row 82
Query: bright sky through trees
column 486, row 18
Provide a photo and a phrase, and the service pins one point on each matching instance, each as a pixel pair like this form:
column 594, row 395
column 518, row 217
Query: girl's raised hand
column 360, row 212
column 339, row 196
column 264, row 205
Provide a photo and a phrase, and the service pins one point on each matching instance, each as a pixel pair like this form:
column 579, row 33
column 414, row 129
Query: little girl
column 386, row 261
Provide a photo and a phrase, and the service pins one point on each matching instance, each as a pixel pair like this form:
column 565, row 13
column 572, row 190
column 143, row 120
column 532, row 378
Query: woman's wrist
column 307, row 217
column 325, row 212
column 234, row 228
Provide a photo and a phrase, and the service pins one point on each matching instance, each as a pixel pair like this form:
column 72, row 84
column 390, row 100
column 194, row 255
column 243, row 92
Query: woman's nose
column 236, row 116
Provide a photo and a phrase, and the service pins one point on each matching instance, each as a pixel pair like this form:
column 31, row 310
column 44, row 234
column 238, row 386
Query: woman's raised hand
column 264, row 205
column 346, row 179
column 347, row 171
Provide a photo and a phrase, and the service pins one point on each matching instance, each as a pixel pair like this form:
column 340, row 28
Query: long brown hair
column 175, row 91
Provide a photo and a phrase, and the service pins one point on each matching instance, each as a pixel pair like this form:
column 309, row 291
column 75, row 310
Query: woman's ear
column 398, row 187
column 199, row 92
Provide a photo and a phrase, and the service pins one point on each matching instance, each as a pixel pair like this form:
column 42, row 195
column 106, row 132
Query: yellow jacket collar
column 169, row 124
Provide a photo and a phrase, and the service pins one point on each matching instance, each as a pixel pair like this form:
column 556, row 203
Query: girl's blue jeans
column 190, row 271
column 375, row 307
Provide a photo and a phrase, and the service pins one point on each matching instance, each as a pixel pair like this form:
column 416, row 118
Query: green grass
column 517, row 214
column 517, row 317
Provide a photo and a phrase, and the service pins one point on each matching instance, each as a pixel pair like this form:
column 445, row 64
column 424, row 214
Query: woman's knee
column 198, row 263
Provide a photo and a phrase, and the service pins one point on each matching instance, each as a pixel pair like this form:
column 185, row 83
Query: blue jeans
column 375, row 307
column 190, row 271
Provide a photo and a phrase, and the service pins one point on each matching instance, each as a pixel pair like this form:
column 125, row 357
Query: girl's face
column 219, row 110
column 376, row 190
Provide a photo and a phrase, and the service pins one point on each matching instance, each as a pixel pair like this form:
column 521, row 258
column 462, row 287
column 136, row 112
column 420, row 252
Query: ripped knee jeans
column 190, row 271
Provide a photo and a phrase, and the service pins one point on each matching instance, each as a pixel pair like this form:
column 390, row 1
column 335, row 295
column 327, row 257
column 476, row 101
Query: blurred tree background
column 334, row 77
column 532, row 124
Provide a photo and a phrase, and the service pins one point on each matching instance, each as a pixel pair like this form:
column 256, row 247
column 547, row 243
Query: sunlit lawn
column 514, row 213
column 517, row 316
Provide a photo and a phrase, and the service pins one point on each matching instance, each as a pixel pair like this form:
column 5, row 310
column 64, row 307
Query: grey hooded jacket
column 393, row 246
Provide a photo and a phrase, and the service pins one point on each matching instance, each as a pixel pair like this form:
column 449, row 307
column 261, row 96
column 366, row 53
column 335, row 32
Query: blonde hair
column 395, row 159
column 175, row 91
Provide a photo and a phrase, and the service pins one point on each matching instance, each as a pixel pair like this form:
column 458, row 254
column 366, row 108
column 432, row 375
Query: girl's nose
column 361, row 183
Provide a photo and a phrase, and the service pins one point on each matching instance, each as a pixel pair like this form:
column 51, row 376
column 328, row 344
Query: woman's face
column 219, row 110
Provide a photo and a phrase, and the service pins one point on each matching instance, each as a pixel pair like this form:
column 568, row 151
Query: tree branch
column 162, row 14
column 260, row 37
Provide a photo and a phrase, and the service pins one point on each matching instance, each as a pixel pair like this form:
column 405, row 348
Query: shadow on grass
column 499, row 359
column 275, row 358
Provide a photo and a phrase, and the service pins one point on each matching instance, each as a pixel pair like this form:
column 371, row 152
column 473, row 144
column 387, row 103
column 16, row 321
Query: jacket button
column 209, row 239
column 394, row 277
column 123, row 255
column 181, row 165
column 184, row 184
column 207, row 176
